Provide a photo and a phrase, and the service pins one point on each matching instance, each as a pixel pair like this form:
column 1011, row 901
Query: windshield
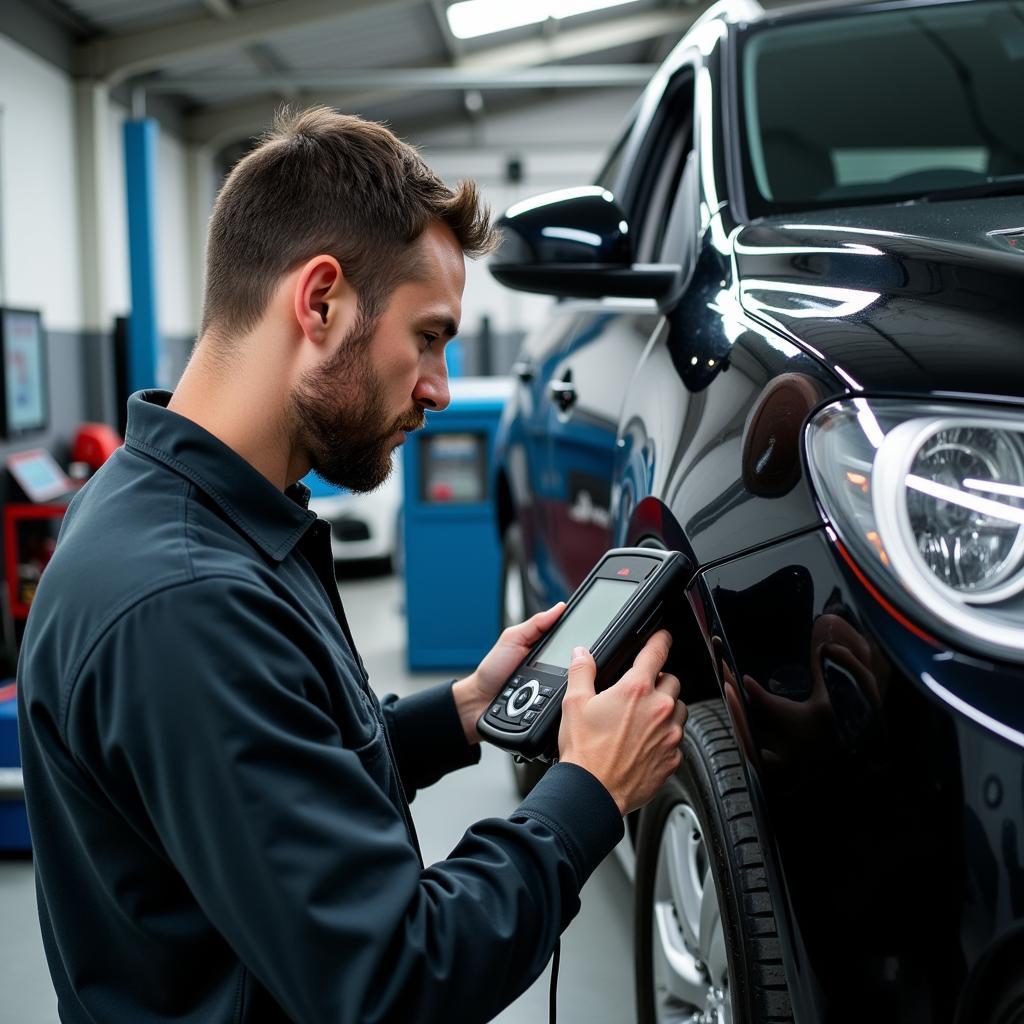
column 921, row 103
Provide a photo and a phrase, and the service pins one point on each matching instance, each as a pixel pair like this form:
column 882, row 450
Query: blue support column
column 140, row 154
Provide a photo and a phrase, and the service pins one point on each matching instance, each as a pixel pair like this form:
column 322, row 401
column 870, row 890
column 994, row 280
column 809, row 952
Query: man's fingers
column 668, row 683
column 529, row 632
column 680, row 713
column 544, row 620
column 654, row 653
column 582, row 672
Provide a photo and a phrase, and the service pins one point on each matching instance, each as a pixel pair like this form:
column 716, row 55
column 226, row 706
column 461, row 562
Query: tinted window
column 889, row 104
column 668, row 146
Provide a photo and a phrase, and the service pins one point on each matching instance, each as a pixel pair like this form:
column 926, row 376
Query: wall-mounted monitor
column 24, row 394
column 38, row 475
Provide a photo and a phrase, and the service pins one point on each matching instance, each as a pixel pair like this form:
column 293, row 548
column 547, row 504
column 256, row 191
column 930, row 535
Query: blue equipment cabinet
column 452, row 554
column 13, row 820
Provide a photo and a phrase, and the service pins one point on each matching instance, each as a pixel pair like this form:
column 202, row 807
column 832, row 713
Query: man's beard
column 338, row 412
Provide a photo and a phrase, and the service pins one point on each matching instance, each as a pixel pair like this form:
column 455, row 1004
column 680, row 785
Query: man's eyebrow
column 447, row 325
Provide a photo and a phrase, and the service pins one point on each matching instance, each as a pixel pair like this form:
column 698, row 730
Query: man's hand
column 474, row 694
column 627, row 736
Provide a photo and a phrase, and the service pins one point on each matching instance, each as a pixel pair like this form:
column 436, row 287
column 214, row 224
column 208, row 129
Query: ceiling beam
column 417, row 130
column 218, row 124
column 472, row 99
column 392, row 81
column 114, row 58
column 259, row 53
column 452, row 46
column 265, row 59
column 570, row 43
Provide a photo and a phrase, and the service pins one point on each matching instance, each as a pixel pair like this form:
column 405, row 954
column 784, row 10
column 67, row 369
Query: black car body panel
column 901, row 304
column 897, row 823
column 886, row 766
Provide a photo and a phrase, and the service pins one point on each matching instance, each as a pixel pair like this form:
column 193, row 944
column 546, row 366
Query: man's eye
column 428, row 338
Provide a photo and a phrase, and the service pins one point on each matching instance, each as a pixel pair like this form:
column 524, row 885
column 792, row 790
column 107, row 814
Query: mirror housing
column 574, row 243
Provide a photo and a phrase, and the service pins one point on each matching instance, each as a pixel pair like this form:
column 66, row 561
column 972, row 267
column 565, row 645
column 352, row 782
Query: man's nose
column 432, row 389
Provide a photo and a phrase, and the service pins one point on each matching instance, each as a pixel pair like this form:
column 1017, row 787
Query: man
column 217, row 799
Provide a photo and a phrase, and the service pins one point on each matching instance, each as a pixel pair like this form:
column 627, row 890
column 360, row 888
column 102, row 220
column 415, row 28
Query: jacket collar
column 274, row 521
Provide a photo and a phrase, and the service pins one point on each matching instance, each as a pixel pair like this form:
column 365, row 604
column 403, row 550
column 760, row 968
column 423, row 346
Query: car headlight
column 929, row 500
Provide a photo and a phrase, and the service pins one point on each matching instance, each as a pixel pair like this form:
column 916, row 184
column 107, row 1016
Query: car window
column 940, row 110
column 662, row 164
column 678, row 236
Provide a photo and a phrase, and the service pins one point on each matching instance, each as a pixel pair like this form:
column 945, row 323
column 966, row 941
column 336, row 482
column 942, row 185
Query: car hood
column 917, row 297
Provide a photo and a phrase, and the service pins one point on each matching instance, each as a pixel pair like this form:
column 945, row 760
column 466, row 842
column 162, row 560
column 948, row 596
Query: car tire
column 695, row 959
column 517, row 605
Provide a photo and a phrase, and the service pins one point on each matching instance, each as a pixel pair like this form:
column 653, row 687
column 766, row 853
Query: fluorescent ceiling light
column 470, row 18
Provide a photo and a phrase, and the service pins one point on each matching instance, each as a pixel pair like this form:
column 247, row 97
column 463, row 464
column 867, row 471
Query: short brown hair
column 323, row 182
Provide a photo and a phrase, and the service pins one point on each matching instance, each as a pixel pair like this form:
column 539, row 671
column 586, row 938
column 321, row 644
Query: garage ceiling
column 227, row 64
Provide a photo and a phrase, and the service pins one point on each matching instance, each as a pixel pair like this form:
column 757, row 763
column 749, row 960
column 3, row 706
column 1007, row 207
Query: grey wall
column 177, row 349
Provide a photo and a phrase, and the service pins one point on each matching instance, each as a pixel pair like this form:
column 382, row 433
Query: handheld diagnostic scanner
column 613, row 613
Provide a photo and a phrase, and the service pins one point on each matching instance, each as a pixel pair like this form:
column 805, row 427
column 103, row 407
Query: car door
column 585, row 394
column 527, row 456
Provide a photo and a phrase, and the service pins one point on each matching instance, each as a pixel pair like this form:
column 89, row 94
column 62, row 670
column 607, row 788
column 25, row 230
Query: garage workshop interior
column 722, row 345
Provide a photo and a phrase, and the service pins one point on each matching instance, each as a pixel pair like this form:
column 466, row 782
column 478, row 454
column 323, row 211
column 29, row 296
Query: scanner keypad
column 521, row 700
column 520, row 703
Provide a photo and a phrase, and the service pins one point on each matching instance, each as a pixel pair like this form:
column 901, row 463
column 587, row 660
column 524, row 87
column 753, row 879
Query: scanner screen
column 586, row 622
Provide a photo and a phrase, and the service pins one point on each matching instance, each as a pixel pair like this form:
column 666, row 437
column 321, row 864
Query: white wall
column 561, row 143
column 39, row 242
column 40, row 205
column 174, row 256
column 117, row 300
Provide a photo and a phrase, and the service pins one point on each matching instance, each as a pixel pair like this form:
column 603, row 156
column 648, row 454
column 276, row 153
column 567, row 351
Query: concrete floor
column 595, row 979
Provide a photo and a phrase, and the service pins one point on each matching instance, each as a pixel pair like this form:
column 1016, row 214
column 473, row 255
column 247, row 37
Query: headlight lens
column 930, row 501
column 953, row 477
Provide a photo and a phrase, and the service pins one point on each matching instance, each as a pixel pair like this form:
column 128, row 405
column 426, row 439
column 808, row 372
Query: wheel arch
column 691, row 659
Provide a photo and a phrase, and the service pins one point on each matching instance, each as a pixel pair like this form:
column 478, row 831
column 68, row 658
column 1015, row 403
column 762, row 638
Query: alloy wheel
column 691, row 974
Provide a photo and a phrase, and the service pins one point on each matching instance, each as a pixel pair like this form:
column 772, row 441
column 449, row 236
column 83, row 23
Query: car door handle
column 563, row 394
column 523, row 370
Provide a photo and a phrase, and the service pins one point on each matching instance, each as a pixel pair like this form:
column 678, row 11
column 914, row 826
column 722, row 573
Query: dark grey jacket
column 218, row 801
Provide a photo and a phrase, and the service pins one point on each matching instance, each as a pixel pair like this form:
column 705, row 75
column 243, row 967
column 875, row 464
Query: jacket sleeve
column 284, row 835
column 427, row 736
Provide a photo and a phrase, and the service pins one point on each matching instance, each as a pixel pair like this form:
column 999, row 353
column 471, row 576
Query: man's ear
column 322, row 296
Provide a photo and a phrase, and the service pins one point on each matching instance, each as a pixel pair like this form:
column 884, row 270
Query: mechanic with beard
column 217, row 799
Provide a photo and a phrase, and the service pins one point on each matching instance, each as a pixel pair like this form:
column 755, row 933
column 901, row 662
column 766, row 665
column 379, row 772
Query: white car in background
column 364, row 527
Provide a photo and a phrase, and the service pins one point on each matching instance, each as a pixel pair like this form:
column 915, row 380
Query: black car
column 790, row 345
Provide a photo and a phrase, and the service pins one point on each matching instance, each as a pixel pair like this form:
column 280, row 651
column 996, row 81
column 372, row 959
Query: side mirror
column 576, row 243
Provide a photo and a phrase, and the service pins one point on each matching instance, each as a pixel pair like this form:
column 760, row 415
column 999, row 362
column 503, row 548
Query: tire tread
column 709, row 725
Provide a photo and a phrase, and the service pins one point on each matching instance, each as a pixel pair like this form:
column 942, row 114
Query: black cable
column 553, row 993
